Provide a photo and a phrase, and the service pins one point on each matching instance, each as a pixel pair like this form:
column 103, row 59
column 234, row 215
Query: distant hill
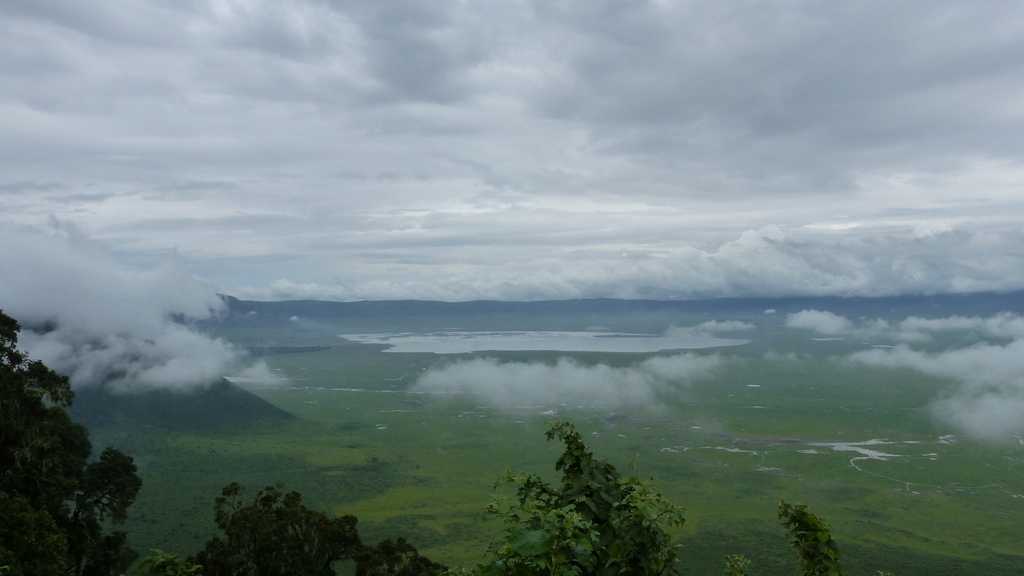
column 938, row 305
column 219, row 407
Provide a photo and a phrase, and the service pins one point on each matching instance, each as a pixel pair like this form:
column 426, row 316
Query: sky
column 520, row 150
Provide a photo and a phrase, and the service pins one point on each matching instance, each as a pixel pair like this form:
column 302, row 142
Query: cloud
column 526, row 150
column 764, row 262
column 1003, row 325
column 715, row 326
column 710, row 328
column 259, row 374
column 989, row 403
column 992, row 414
column 820, row 322
column 987, row 365
column 100, row 322
column 988, row 368
column 892, row 70
column 517, row 384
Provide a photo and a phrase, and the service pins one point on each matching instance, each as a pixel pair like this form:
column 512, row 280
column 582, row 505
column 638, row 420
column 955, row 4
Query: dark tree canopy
column 275, row 535
column 30, row 542
column 45, row 465
column 398, row 558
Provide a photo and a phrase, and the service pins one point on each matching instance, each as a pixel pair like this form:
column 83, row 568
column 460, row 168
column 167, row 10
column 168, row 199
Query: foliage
column 736, row 565
column 164, row 564
column 44, row 459
column 275, row 535
column 811, row 538
column 30, row 542
column 398, row 558
column 596, row 522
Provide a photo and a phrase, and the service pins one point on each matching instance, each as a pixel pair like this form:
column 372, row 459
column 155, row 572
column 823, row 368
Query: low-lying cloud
column 821, row 322
column 989, row 402
column 912, row 329
column 100, row 322
column 710, row 328
column 517, row 384
column 1003, row 325
column 988, row 365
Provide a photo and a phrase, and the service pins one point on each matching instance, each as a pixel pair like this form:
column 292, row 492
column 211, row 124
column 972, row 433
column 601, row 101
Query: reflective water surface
column 462, row 342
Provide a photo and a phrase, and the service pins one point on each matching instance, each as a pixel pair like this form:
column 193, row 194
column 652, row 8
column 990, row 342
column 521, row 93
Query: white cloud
column 988, row 366
column 517, row 384
column 821, row 322
column 989, row 399
column 715, row 326
column 1004, row 325
column 258, row 373
column 984, row 414
column 912, row 329
column 710, row 328
column 765, row 262
column 100, row 322
column 989, row 403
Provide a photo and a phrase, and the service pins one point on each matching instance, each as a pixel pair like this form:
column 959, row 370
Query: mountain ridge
column 973, row 303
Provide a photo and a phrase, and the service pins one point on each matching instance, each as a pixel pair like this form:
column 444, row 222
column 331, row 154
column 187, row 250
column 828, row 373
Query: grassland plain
column 782, row 417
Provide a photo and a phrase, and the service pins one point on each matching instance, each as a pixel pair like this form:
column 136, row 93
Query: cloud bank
column 1004, row 325
column 989, row 402
column 987, row 362
column 766, row 262
column 511, row 385
column 100, row 322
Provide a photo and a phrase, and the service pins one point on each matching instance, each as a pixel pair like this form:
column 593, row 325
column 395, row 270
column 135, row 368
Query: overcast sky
column 458, row 150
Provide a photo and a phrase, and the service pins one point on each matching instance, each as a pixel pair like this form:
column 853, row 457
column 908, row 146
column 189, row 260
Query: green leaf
column 530, row 542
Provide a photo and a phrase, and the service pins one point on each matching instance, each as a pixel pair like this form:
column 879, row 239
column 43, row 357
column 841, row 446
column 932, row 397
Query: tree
column 275, row 535
column 30, row 542
column 811, row 539
column 398, row 558
column 596, row 522
column 45, row 464
column 736, row 565
column 164, row 564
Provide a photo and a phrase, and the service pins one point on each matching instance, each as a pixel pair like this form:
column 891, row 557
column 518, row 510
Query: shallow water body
column 465, row 342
